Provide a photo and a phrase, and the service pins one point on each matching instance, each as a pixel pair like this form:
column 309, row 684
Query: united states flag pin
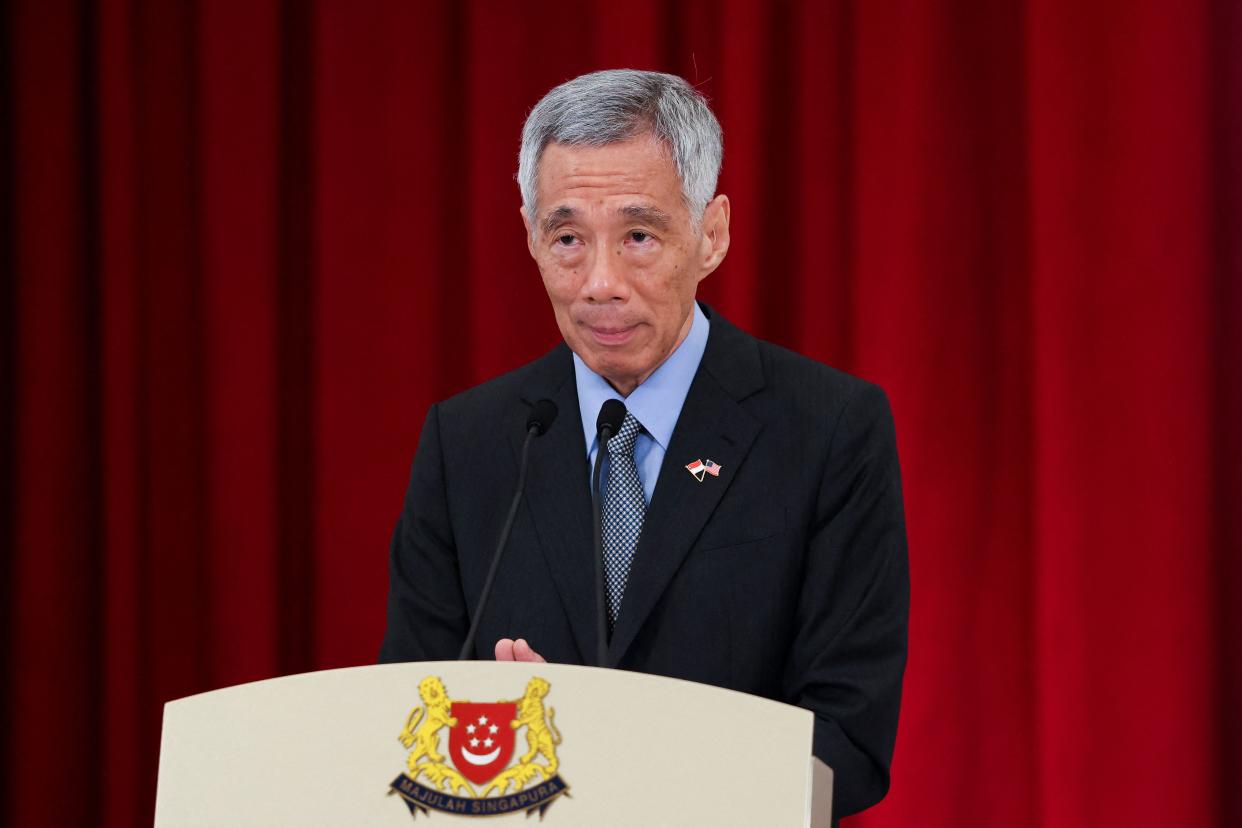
column 712, row 468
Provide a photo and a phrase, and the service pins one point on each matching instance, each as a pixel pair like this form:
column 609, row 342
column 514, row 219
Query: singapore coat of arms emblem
column 478, row 776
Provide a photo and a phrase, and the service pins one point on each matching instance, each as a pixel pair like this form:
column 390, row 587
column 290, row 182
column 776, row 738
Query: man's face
column 618, row 256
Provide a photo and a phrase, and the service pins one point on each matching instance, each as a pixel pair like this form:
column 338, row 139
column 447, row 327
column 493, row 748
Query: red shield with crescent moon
column 481, row 744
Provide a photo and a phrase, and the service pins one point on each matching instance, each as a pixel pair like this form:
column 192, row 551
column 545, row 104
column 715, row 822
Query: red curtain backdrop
column 246, row 244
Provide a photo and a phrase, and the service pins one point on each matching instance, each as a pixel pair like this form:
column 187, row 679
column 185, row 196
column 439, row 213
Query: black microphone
column 611, row 415
column 540, row 420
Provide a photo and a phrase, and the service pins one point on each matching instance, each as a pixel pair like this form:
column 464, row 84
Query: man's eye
column 639, row 236
column 565, row 240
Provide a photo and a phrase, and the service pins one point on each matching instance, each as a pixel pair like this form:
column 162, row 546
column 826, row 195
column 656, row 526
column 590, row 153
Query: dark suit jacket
column 785, row 576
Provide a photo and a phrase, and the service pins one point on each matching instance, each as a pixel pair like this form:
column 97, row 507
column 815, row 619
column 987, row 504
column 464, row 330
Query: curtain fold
column 246, row 244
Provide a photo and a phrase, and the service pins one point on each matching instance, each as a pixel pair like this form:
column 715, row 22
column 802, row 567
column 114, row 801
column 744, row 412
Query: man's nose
column 605, row 278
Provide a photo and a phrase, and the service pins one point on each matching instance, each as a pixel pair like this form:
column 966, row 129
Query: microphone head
column 542, row 414
column 611, row 415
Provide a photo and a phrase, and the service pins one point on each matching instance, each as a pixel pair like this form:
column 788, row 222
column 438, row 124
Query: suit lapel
column 558, row 496
column 712, row 426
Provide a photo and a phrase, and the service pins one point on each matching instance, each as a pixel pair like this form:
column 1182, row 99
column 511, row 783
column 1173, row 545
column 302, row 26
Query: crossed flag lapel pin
column 700, row 469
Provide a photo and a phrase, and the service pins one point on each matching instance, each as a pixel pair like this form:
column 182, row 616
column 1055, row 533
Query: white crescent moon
column 480, row 758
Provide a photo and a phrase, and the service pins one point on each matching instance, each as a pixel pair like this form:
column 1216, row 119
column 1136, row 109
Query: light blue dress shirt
column 656, row 403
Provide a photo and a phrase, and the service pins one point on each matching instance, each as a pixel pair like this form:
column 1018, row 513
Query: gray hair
column 616, row 105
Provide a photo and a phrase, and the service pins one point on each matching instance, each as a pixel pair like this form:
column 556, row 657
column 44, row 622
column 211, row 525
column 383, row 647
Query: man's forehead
column 644, row 142
column 639, row 163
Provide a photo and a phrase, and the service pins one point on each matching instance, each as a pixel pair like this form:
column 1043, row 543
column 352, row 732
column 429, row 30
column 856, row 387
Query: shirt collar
column 656, row 403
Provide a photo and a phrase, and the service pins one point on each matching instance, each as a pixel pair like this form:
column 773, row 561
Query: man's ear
column 530, row 239
column 715, row 233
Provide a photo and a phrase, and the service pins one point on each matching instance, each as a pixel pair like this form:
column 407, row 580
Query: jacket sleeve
column 427, row 618
column 849, row 650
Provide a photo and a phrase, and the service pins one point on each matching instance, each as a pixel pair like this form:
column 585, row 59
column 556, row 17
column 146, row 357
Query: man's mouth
column 611, row 334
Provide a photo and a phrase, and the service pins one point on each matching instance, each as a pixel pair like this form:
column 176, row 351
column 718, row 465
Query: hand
column 509, row 650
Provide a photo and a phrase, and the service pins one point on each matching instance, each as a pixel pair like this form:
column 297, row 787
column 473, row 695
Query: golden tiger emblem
column 542, row 739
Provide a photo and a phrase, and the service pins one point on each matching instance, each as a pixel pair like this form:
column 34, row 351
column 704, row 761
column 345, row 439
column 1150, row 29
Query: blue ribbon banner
column 421, row 798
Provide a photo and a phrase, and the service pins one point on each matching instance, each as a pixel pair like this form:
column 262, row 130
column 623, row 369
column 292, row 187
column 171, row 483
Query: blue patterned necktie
column 623, row 513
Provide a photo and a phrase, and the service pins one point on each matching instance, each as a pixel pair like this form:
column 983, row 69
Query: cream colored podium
column 577, row 746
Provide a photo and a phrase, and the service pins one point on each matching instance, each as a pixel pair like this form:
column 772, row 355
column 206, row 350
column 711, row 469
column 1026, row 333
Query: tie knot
column 623, row 442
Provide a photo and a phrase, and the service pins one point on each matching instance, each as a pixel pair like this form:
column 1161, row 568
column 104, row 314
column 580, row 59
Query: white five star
column 471, row 729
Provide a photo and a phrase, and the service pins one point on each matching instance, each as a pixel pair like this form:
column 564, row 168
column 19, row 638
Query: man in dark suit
column 753, row 528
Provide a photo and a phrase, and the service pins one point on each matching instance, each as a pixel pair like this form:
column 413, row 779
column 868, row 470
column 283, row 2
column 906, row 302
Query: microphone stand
column 531, row 432
column 601, row 621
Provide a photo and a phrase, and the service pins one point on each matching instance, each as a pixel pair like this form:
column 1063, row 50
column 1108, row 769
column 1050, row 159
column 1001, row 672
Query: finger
column 504, row 649
column 522, row 651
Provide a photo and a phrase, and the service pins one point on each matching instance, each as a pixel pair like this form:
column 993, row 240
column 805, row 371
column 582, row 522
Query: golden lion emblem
column 426, row 739
column 422, row 733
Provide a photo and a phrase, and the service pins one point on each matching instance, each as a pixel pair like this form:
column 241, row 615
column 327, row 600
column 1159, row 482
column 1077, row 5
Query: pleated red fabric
column 246, row 244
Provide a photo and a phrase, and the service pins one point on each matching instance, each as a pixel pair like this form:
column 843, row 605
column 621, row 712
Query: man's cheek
column 561, row 282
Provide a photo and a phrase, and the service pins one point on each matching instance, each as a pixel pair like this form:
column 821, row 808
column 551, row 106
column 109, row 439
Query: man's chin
column 616, row 371
column 601, row 357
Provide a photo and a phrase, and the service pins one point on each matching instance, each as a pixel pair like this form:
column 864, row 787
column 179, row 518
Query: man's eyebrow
column 647, row 215
column 644, row 214
column 555, row 218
